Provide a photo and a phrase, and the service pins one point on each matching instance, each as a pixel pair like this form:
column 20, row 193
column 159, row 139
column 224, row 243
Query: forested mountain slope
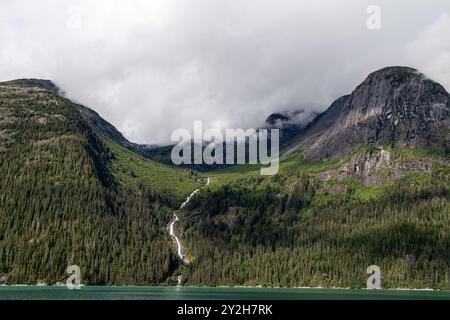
column 63, row 200
column 297, row 230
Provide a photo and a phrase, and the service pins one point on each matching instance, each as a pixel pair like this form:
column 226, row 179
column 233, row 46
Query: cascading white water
column 173, row 235
column 180, row 249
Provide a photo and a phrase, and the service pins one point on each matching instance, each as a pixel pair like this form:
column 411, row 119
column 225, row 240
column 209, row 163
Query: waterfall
column 175, row 220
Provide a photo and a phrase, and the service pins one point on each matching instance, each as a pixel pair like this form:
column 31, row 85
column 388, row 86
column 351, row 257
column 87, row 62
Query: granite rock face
column 398, row 106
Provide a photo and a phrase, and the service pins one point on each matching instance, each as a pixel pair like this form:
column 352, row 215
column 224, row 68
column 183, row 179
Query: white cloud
column 431, row 51
column 150, row 66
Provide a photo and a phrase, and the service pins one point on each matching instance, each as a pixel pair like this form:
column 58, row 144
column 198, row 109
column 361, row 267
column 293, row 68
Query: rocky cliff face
column 377, row 166
column 396, row 105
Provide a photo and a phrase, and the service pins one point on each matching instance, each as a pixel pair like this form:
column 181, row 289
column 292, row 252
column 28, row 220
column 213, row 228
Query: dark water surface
column 207, row 293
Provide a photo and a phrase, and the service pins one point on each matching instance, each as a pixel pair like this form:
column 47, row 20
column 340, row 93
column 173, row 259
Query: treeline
column 280, row 233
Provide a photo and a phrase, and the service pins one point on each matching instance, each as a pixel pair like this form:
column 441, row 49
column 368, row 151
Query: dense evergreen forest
column 259, row 232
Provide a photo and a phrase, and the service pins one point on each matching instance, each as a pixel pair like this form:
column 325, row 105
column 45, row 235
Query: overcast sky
column 149, row 67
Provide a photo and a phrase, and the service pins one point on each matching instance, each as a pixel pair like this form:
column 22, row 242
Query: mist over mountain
column 152, row 66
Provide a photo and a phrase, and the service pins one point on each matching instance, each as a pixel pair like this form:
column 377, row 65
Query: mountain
column 290, row 123
column 108, row 130
column 75, row 191
column 395, row 106
column 71, row 195
column 160, row 154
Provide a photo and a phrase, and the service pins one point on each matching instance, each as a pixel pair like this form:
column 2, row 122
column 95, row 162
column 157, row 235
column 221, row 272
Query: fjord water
column 208, row 293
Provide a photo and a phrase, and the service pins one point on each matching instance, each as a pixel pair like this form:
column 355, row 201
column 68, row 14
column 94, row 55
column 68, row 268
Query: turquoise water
column 207, row 293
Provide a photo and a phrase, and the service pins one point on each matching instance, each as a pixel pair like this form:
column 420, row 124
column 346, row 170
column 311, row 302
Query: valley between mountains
column 365, row 182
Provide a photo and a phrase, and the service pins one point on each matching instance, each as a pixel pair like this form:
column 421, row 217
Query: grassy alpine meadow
column 171, row 183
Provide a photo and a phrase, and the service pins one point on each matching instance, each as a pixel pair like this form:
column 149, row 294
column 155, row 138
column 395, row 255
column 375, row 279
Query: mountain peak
column 395, row 70
column 398, row 76
column 394, row 105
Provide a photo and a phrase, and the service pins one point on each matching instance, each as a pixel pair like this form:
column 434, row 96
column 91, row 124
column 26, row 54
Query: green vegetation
column 296, row 230
column 291, row 165
column 419, row 153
